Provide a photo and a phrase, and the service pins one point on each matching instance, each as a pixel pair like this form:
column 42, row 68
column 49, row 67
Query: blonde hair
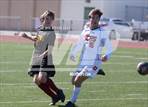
column 46, row 14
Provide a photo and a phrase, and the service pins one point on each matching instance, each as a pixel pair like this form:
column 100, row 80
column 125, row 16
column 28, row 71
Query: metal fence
column 10, row 23
column 15, row 23
column 62, row 26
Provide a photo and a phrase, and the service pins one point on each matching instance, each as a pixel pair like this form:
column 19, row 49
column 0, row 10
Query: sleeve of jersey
column 78, row 46
column 108, row 46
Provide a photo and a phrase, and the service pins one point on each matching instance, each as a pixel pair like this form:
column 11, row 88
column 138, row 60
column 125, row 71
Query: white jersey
column 92, row 42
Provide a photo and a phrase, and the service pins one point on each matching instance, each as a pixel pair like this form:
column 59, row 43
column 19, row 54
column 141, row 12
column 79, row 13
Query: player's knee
column 35, row 79
column 73, row 83
column 77, row 83
column 73, row 80
column 42, row 79
column 39, row 79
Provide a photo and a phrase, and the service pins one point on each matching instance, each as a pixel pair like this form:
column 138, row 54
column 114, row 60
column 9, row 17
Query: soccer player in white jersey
column 93, row 39
column 42, row 67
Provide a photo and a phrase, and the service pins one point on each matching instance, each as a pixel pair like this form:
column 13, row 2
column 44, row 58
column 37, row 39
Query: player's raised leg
column 77, row 82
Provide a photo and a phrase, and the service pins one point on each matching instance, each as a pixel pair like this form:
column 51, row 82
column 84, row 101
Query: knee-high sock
column 53, row 86
column 75, row 93
column 47, row 89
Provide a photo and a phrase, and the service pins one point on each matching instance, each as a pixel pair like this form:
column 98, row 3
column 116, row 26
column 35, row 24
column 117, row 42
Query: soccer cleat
column 54, row 101
column 101, row 72
column 61, row 95
column 70, row 104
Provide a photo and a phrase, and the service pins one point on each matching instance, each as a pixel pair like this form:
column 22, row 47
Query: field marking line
column 79, row 100
column 68, row 70
column 128, row 52
column 14, row 62
column 108, row 63
column 137, row 94
column 27, row 84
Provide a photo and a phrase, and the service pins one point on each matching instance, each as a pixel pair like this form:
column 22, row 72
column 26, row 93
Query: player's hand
column 72, row 57
column 24, row 35
column 34, row 38
column 104, row 58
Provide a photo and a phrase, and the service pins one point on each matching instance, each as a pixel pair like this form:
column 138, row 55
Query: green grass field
column 121, row 87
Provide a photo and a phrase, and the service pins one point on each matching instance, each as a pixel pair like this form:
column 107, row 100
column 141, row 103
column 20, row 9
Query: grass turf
column 121, row 87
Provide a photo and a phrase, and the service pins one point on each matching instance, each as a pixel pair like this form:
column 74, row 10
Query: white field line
column 128, row 52
column 79, row 100
column 33, row 86
column 122, row 56
column 99, row 83
column 14, row 62
column 142, row 58
column 61, row 70
column 7, row 71
column 128, row 56
column 119, row 52
column 24, row 62
column 98, row 91
column 103, row 91
column 108, row 63
column 135, row 94
column 113, row 56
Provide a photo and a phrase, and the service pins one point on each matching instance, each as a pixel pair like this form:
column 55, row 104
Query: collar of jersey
column 42, row 28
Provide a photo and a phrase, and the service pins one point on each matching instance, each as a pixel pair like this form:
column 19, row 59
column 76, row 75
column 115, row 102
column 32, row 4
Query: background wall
column 26, row 10
column 19, row 14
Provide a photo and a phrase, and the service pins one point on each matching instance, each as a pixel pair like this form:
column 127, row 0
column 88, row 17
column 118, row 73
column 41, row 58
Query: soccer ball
column 142, row 68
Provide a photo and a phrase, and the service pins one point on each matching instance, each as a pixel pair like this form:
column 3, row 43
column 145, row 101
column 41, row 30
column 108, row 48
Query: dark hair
column 47, row 13
column 95, row 12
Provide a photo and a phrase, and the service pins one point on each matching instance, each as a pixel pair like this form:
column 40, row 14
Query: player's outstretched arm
column 33, row 38
column 109, row 49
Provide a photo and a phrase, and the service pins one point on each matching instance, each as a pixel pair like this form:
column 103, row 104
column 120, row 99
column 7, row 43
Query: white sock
column 75, row 93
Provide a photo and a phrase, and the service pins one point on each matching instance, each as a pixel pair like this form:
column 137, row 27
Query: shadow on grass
column 65, row 106
column 61, row 106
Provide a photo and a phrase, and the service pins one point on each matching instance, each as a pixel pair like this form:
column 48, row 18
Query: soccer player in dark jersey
column 42, row 67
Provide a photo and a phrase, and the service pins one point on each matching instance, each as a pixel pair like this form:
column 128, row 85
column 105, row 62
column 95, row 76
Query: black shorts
column 44, row 67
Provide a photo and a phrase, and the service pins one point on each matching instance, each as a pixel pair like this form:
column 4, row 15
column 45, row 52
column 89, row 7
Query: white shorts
column 88, row 70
